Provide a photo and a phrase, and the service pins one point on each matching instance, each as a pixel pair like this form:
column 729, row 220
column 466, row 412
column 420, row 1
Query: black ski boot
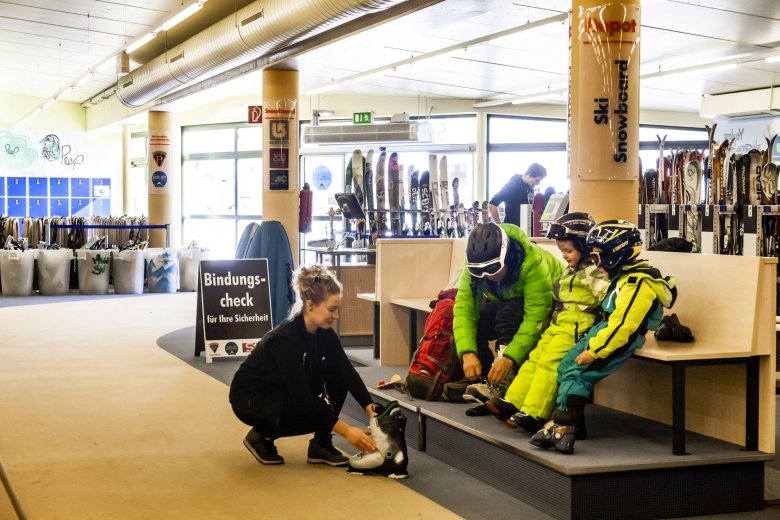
column 500, row 408
column 561, row 432
column 558, row 436
column 390, row 457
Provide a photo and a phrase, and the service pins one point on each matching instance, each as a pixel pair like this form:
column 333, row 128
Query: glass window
column 209, row 187
column 526, row 130
column 250, row 186
column 250, row 138
column 210, row 140
column 651, row 133
column 217, row 235
column 138, row 200
column 502, row 165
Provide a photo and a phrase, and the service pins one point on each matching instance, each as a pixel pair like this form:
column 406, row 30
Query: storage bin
column 16, row 271
column 93, row 269
column 162, row 270
column 54, row 271
column 189, row 265
column 127, row 271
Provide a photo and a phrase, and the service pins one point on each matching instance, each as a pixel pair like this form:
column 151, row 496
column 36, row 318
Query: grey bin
column 189, row 263
column 162, row 270
column 128, row 271
column 16, row 272
column 54, row 271
column 92, row 266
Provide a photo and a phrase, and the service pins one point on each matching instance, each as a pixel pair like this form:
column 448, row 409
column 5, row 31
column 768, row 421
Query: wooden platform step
column 628, row 456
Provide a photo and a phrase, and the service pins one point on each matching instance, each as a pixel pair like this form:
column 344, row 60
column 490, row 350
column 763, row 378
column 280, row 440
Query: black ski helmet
column 619, row 241
column 574, row 227
column 486, row 250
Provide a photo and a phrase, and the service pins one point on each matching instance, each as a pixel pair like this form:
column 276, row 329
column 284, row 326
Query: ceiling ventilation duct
column 258, row 28
column 407, row 132
column 741, row 105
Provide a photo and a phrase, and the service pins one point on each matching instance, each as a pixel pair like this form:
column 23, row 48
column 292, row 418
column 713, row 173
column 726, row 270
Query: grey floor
column 441, row 483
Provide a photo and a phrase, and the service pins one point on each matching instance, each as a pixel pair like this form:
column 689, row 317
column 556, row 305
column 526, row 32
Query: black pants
column 498, row 321
column 292, row 422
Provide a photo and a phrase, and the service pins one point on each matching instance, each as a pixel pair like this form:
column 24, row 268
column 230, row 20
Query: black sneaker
column 325, row 453
column 500, row 408
column 527, row 422
column 263, row 449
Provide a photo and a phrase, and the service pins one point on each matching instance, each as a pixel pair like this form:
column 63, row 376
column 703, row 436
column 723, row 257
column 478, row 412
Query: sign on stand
column 234, row 306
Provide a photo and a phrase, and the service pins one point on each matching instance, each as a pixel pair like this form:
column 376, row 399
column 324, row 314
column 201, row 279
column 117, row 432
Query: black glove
column 672, row 330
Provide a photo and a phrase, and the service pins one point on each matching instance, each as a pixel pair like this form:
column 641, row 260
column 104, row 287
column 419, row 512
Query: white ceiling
column 45, row 45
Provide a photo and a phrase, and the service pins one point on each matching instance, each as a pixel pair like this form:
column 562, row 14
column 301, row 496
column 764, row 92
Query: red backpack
column 435, row 361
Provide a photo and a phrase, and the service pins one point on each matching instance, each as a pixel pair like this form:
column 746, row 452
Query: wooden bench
column 722, row 385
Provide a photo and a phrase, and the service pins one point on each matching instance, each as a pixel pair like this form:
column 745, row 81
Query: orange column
column 604, row 108
column 161, row 172
column 280, row 151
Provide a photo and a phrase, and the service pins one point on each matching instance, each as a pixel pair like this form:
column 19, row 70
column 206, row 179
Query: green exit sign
column 362, row 118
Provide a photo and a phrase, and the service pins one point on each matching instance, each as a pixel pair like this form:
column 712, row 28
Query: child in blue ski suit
column 634, row 304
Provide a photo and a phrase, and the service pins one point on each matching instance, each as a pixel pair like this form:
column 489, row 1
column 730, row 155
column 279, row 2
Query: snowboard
column 414, row 198
column 381, row 191
column 425, row 203
column 393, row 181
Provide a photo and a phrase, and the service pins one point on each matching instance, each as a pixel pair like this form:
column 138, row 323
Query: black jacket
column 287, row 369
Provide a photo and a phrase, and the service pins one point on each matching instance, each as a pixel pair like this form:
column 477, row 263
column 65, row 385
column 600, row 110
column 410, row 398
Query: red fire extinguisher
column 304, row 208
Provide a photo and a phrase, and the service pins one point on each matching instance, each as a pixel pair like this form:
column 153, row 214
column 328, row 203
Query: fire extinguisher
column 304, row 208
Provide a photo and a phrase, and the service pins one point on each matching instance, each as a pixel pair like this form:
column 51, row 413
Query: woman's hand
column 360, row 439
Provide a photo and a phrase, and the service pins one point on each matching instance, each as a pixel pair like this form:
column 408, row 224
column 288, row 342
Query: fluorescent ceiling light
column 699, row 70
column 110, row 62
column 84, row 79
column 47, row 104
column 772, row 59
column 533, row 98
column 371, row 75
column 140, row 42
column 181, row 15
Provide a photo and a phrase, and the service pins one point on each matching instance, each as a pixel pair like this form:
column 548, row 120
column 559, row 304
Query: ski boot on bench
column 390, row 457
column 558, row 436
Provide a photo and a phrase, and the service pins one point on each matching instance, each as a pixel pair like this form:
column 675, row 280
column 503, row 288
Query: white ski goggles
column 491, row 267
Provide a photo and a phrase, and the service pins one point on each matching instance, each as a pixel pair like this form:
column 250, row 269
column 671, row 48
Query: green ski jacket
column 538, row 272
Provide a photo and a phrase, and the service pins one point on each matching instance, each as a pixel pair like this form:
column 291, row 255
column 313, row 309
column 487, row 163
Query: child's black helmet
column 619, row 241
column 573, row 227
column 486, row 250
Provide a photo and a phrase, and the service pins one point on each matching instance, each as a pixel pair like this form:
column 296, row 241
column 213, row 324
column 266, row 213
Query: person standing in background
column 519, row 190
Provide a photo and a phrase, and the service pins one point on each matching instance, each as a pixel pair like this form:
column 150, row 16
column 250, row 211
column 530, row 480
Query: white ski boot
column 389, row 458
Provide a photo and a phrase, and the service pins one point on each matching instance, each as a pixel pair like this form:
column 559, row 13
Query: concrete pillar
column 125, row 170
column 162, row 166
column 280, row 152
column 604, row 108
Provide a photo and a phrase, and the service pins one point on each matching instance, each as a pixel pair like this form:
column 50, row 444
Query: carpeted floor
column 99, row 422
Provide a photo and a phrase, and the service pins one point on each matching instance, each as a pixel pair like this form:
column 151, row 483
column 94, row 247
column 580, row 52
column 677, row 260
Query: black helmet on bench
column 486, row 250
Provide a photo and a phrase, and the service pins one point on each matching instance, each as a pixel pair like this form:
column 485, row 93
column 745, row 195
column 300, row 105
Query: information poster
column 279, row 123
column 235, row 306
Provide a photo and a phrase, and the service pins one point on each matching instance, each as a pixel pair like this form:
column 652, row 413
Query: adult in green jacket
column 505, row 294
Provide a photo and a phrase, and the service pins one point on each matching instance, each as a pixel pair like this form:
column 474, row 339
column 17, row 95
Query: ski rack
column 166, row 227
column 648, row 221
column 762, row 212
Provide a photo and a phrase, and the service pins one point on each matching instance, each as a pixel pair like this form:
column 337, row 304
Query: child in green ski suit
column 576, row 299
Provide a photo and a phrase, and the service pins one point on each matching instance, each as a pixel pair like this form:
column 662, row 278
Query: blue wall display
column 79, row 207
column 59, row 207
column 17, row 206
column 37, row 187
column 101, row 207
column 17, row 187
column 58, row 187
column 2, row 205
column 79, row 187
column 38, row 207
column 2, row 186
